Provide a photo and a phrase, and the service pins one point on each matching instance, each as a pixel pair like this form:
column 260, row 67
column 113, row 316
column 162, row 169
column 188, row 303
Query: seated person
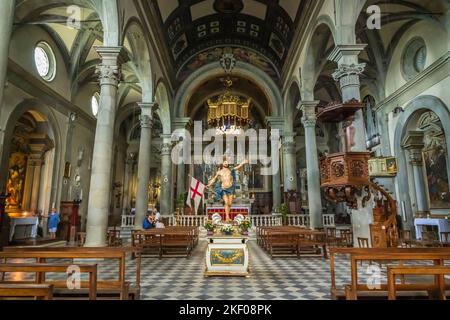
column 149, row 222
column 157, row 215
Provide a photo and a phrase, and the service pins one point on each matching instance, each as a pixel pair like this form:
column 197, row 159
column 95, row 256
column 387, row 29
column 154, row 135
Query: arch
column 55, row 130
column 140, row 56
column 328, row 21
column 162, row 98
column 421, row 103
column 243, row 69
column 291, row 101
column 315, row 59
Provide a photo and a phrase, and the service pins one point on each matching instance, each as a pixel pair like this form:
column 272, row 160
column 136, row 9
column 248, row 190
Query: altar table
column 23, row 228
column 442, row 224
column 227, row 256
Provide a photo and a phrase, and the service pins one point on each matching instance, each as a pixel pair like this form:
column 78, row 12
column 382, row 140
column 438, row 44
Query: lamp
column 228, row 113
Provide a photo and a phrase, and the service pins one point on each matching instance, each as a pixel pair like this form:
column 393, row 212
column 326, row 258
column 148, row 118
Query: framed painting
column 435, row 162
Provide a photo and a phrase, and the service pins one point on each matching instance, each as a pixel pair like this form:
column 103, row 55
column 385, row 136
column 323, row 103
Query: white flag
column 196, row 192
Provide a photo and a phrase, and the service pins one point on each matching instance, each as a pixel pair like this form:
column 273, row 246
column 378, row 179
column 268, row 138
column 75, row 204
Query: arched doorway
column 30, row 165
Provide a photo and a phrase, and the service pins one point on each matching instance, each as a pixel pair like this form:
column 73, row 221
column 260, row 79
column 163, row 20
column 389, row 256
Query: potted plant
column 245, row 226
column 209, row 226
column 227, row 230
column 284, row 211
column 180, row 203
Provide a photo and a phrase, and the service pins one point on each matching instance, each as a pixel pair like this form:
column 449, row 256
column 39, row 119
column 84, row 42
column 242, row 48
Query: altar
column 23, row 228
column 227, row 256
column 235, row 211
column 443, row 225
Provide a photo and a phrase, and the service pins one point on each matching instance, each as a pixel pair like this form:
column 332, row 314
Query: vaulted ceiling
column 199, row 31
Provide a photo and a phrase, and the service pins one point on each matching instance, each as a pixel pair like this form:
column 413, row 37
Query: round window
column 95, row 105
column 44, row 59
column 414, row 58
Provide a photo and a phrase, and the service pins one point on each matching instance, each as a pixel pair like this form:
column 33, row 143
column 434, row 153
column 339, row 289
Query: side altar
column 227, row 255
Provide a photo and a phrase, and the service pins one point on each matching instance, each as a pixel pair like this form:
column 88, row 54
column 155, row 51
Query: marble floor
column 307, row 278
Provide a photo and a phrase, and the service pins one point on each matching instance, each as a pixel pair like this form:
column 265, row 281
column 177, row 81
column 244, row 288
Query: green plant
column 209, row 226
column 180, row 202
column 284, row 210
column 245, row 225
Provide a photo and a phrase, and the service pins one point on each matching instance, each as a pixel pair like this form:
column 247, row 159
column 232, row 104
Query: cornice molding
column 423, row 81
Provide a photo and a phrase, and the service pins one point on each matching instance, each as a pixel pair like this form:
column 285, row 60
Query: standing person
column 53, row 221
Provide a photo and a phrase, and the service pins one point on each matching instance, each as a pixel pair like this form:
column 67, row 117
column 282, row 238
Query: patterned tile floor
column 307, row 278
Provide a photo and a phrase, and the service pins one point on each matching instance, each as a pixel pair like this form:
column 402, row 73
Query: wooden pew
column 111, row 288
column 22, row 291
column 438, row 272
column 40, row 270
column 283, row 240
column 170, row 241
column 386, row 256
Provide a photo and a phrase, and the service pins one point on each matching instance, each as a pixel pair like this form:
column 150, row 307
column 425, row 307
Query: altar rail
column 256, row 220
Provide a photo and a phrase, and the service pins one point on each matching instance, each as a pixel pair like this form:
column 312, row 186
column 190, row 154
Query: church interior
column 326, row 124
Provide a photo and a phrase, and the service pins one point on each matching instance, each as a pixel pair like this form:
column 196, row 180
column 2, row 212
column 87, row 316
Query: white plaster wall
column 436, row 42
column 23, row 43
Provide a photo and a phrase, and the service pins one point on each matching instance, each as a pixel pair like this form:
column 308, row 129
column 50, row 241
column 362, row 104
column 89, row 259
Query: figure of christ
column 225, row 189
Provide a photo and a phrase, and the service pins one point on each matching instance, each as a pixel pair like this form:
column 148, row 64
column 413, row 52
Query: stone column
column 414, row 144
column 37, row 166
column 309, row 121
column 347, row 74
column 6, row 24
column 166, row 176
column 278, row 124
column 178, row 124
column 290, row 162
column 144, row 162
column 100, row 187
column 129, row 162
column 303, row 177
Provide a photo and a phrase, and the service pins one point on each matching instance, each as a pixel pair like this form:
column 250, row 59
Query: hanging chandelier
column 228, row 113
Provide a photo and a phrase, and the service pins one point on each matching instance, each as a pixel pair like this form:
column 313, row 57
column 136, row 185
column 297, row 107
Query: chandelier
column 228, row 113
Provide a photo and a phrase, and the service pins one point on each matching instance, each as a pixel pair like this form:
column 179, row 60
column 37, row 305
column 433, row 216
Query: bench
column 35, row 291
column 437, row 271
column 386, row 256
column 291, row 241
column 106, row 288
column 40, row 270
column 166, row 241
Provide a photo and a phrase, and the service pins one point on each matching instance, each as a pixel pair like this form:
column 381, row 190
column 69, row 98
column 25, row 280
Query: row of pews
column 169, row 241
column 291, row 241
column 392, row 273
column 78, row 272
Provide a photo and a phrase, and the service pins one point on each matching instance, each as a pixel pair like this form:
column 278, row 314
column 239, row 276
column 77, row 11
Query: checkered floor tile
column 307, row 278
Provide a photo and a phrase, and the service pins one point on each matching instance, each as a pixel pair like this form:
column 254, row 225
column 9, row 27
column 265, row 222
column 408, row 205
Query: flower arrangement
column 227, row 229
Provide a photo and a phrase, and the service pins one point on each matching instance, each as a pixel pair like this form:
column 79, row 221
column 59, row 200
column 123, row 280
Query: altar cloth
column 442, row 224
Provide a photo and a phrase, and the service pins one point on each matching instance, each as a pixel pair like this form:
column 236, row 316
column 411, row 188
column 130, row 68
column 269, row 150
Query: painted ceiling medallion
column 228, row 6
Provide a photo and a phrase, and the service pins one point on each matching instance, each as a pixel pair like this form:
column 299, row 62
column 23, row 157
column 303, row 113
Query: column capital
column 166, row 149
column 413, row 141
column 343, row 51
column 147, row 108
column 146, row 121
column 309, row 118
column 109, row 71
column 181, row 123
column 349, row 70
column 275, row 122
